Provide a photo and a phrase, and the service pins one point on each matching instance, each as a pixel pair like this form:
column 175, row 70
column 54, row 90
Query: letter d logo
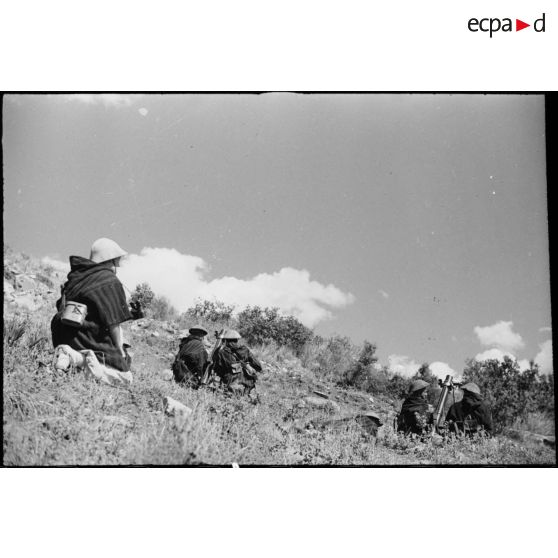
column 536, row 27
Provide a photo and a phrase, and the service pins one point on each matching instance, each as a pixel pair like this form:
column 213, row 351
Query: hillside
column 64, row 419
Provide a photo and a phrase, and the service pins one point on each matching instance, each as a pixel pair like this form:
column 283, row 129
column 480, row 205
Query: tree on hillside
column 360, row 374
column 143, row 294
column 424, row 373
column 510, row 392
column 162, row 309
column 397, row 387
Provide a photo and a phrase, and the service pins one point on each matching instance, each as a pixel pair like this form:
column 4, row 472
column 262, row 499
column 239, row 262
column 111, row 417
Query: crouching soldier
column 192, row 358
column 416, row 415
column 470, row 415
column 235, row 365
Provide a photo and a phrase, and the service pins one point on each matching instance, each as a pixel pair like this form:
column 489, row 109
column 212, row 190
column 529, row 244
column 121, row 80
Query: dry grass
column 64, row 419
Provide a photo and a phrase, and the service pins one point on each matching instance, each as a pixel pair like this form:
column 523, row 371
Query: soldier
column 86, row 330
column 471, row 414
column 235, row 365
column 192, row 358
column 416, row 414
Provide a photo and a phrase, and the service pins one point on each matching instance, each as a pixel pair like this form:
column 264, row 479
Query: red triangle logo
column 519, row 25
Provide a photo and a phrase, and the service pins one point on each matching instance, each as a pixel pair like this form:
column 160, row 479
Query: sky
column 417, row 222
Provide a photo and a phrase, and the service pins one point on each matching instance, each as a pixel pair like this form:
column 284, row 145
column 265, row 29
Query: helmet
column 473, row 388
column 373, row 416
column 230, row 334
column 418, row 385
column 198, row 329
column 105, row 249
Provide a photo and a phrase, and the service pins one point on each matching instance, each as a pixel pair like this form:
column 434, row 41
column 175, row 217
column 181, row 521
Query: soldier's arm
column 254, row 362
column 116, row 336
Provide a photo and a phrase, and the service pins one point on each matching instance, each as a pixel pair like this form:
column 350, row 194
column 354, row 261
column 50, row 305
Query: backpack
column 240, row 366
column 236, row 367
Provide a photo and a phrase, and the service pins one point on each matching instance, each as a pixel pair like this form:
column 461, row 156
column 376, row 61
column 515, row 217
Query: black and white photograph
column 276, row 279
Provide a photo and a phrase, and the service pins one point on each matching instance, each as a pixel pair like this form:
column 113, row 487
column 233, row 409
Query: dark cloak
column 413, row 407
column 471, row 407
column 193, row 354
column 96, row 286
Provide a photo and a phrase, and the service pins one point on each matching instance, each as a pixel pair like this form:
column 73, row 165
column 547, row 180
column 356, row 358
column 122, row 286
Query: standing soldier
column 235, row 364
column 191, row 360
column 415, row 415
column 470, row 415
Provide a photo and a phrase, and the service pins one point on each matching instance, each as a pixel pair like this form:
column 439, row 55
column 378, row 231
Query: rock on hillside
column 29, row 285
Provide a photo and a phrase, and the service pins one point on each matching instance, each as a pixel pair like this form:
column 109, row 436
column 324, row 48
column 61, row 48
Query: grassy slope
column 64, row 419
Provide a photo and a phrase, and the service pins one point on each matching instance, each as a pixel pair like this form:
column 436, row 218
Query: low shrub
column 397, row 387
column 259, row 325
column 161, row 309
column 14, row 329
column 213, row 311
column 362, row 373
column 330, row 357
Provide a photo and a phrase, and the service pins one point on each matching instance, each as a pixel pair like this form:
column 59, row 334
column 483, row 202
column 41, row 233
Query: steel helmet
column 230, row 334
column 105, row 249
column 375, row 417
column 472, row 387
column 198, row 329
column 418, row 385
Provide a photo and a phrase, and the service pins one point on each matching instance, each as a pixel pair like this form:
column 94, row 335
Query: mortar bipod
column 447, row 385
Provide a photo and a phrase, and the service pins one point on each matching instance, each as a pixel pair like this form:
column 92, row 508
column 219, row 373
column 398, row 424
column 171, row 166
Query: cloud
column 494, row 354
column 402, row 365
column 505, row 342
column 383, row 293
column 441, row 369
column 544, row 357
column 497, row 354
column 107, row 99
column 182, row 279
column 500, row 336
column 523, row 364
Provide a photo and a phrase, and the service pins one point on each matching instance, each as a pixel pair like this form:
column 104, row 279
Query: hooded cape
column 96, row 286
column 471, row 406
column 194, row 355
column 412, row 406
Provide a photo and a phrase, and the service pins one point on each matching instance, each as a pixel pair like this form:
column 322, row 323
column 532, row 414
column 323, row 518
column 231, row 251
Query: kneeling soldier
column 471, row 414
column 415, row 415
column 192, row 358
column 235, row 365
